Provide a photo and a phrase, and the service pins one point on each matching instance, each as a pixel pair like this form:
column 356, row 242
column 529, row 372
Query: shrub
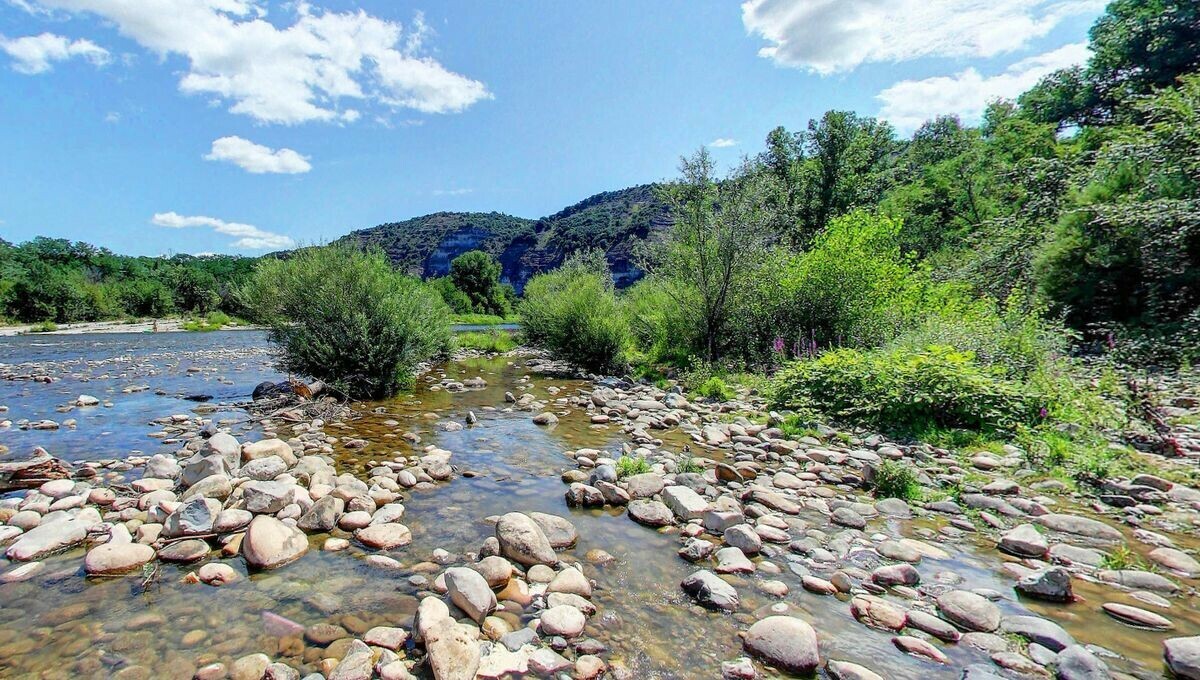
column 687, row 464
column 662, row 320
column 213, row 321
column 894, row 479
column 346, row 317
column 573, row 312
column 457, row 300
column 628, row 466
column 905, row 390
column 715, row 388
column 43, row 327
column 477, row 275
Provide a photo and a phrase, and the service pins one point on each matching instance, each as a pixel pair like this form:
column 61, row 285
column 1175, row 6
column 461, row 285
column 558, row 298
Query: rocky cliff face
column 615, row 222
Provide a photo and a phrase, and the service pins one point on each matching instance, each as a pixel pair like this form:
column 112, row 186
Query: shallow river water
column 63, row 625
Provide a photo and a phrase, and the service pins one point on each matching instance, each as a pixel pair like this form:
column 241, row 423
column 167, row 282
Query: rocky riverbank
column 778, row 542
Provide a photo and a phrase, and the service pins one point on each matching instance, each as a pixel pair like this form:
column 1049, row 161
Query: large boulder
column 785, row 642
column 51, row 537
column 269, row 543
column 1182, row 655
column 523, row 541
column 266, row 448
column 969, row 611
column 196, row 516
column 452, row 649
column 560, row 532
column 267, row 497
column 322, row 517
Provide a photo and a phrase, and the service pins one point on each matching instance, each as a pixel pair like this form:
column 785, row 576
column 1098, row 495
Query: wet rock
column 267, row 497
column 1052, row 584
column 116, row 558
column 711, row 591
column 51, row 537
column 1140, row 580
column 844, row 670
column 217, row 574
column 743, row 537
column 269, row 543
column 1175, row 560
column 384, row 536
column 784, row 642
column 1182, row 655
column 643, row 486
column 545, row 418
column 572, row 581
column 386, row 637
column 847, row 517
column 470, row 592
column 1024, row 541
column 733, row 561
column 184, row 551
column 1137, row 617
column 558, row 530
column 1046, row 633
column 928, row 623
column 267, row 448
column 249, row 667
column 650, row 513
column 969, row 611
column 918, row 647
column 896, row 575
column 522, row 540
column 877, row 613
column 1080, row 526
column 1078, row 663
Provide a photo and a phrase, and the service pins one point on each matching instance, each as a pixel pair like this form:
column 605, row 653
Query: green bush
column 662, row 320
column 457, row 300
column 628, row 466
column 903, row 390
column 715, row 388
column 894, row 479
column 213, row 321
column 346, row 317
column 477, row 275
column 574, row 313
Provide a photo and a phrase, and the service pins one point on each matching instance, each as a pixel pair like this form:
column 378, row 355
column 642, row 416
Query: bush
column 213, row 321
column 477, row 275
column 894, row 479
column 573, row 312
column 715, row 388
column 345, row 317
column 903, row 390
column 457, row 300
column 662, row 321
column 627, row 466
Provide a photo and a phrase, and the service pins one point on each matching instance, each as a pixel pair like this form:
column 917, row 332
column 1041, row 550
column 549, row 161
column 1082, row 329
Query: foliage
column 489, row 341
column 715, row 388
column 896, row 479
column 719, row 234
column 661, row 319
column 627, row 466
column 477, row 275
column 473, row 319
column 43, row 327
column 573, row 311
column 906, row 390
column 68, row 281
column 346, row 317
column 1122, row 558
column 213, row 321
column 686, row 464
column 455, row 299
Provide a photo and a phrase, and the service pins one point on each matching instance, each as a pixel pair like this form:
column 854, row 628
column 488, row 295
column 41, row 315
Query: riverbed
column 61, row 623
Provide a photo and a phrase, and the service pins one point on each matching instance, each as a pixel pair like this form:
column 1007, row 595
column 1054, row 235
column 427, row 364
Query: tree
column 477, row 275
column 714, row 246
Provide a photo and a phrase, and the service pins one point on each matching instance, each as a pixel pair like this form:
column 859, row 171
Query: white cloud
column 112, row 117
column 249, row 236
column 909, row 103
column 452, row 192
column 36, row 53
column 256, row 158
column 295, row 73
column 831, row 36
column 722, row 143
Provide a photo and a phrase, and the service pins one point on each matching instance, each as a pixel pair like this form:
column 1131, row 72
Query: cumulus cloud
column 256, row 158
column 722, row 143
column 909, row 103
column 37, row 53
column 294, row 73
column 831, row 36
column 249, row 237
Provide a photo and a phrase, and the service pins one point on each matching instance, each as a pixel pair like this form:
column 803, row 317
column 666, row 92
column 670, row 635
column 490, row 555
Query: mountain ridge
column 612, row 221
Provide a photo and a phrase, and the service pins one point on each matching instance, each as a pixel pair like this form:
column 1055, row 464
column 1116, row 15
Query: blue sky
column 242, row 126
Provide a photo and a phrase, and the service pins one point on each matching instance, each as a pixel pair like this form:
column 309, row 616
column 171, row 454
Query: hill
column 613, row 221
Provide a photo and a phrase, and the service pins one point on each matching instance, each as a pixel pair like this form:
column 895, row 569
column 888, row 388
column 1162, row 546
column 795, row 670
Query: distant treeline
column 57, row 280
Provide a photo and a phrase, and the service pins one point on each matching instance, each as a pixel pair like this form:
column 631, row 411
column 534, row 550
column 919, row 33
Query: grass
column 486, row 341
column 715, row 388
column 482, row 319
column 894, row 479
column 1121, row 558
column 43, row 327
column 627, row 466
column 213, row 321
column 687, row 464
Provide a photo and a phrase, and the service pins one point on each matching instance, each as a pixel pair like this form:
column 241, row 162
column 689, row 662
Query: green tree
column 477, row 275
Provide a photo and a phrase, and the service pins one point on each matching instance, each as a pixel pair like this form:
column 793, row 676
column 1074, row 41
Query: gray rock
column 1182, row 655
column 193, row 518
column 711, row 591
column 969, row 611
column 523, row 541
column 558, row 530
column 1024, row 541
column 269, row 543
column 267, row 497
column 1046, row 633
column 470, row 592
column 1052, row 584
column 784, row 642
column 1077, row 663
column 322, row 517
column 650, row 513
column 685, row 503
